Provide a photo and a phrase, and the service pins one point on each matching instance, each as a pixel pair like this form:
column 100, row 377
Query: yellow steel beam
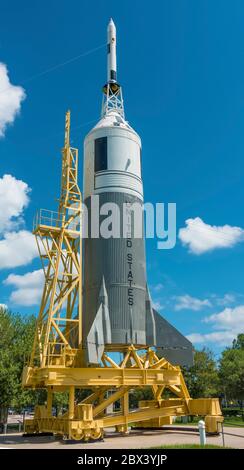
column 111, row 399
column 144, row 414
column 106, row 358
column 184, row 388
column 90, row 377
column 95, row 395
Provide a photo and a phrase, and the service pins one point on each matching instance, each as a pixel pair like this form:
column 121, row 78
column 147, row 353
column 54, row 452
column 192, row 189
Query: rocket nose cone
column 111, row 24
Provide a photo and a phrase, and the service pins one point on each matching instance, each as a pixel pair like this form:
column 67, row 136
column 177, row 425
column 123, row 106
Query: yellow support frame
column 110, row 383
column 58, row 236
column 57, row 362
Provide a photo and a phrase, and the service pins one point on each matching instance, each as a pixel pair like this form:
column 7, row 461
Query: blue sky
column 181, row 65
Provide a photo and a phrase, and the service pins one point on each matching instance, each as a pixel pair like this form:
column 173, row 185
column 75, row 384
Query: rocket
column 117, row 306
column 111, row 51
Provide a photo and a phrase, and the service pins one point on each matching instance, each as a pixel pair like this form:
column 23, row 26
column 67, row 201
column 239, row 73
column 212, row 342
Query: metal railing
column 48, row 218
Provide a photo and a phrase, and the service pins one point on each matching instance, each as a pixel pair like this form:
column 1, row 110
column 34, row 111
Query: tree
column 239, row 342
column 60, row 401
column 16, row 338
column 202, row 378
column 231, row 370
column 8, row 369
column 8, row 379
column 138, row 394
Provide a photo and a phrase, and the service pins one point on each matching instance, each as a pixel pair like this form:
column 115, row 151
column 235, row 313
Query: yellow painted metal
column 71, row 402
column 58, row 235
column 155, row 422
column 90, row 377
column 213, row 424
column 49, row 401
column 204, row 406
column 88, row 419
column 125, row 411
column 57, row 363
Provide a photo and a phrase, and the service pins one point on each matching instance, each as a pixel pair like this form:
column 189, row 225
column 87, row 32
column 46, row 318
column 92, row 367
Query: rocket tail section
column 169, row 342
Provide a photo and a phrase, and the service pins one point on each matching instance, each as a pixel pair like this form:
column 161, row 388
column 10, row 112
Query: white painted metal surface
column 112, row 65
column 202, row 432
column 123, row 171
column 118, row 182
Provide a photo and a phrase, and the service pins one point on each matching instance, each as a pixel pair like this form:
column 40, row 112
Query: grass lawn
column 228, row 421
column 190, row 446
column 234, row 421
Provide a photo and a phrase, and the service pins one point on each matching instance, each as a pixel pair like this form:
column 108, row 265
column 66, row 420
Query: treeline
column 207, row 378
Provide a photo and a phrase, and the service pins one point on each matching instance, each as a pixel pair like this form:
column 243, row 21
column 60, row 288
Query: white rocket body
column 117, row 308
column 121, row 172
column 115, row 274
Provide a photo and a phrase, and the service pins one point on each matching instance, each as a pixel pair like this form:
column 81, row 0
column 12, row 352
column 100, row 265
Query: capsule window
column 101, row 158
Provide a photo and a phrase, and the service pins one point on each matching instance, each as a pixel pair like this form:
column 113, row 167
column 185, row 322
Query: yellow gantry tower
column 57, row 362
column 58, row 235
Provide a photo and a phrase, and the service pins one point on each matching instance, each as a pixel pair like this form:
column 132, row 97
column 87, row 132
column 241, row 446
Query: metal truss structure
column 57, row 363
column 58, row 236
column 112, row 99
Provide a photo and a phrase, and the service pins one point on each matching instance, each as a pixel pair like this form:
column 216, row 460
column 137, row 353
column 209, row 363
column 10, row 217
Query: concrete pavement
column 234, row 437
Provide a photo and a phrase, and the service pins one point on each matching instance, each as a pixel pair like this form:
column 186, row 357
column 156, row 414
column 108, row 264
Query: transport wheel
column 96, row 433
column 76, row 435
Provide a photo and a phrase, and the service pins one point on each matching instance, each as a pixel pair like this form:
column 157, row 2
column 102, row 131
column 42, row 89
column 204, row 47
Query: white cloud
column 3, row 306
column 228, row 319
column 222, row 338
column 29, row 287
column 11, row 97
column 186, row 302
column 228, row 323
column 157, row 305
column 17, row 249
column 13, row 200
column 226, row 300
column 201, row 237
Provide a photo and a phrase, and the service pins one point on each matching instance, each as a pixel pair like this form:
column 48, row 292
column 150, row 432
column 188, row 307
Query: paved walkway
column 234, row 437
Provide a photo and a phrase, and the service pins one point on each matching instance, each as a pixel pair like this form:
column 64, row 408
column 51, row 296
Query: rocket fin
column 171, row 344
column 103, row 300
column 95, row 339
column 150, row 321
column 100, row 331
